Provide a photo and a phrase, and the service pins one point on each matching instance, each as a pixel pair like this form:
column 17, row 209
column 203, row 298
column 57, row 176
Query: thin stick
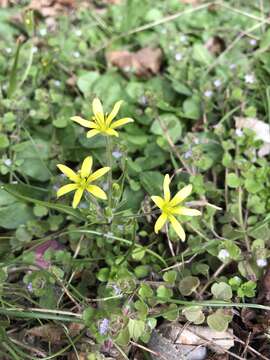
column 169, row 241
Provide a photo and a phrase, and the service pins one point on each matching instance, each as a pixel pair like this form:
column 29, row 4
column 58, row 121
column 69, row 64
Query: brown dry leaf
column 215, row 45
column 75, row 328
column 48, row 332
column 51, row 8
column 192, row 2
column 144, row 62
column 266, row 284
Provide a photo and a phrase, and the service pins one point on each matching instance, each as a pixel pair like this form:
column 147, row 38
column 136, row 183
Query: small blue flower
column 208, row 93
column 104, row 326
column 30, row 287
column 117, row 154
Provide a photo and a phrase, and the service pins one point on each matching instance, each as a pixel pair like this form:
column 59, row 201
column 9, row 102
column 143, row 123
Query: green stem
column 217, row 303
column 23, row 313
column 109, row 161
column 124, row 241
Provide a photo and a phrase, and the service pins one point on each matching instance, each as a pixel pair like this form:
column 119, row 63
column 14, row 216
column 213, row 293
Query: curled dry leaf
column 192, row 2
column 144, row 62
column 165, row 349
column 75, row 328
column 51, row 8
column 201, row 336
column 215, row 45
column 48, row 332
column 261, row 129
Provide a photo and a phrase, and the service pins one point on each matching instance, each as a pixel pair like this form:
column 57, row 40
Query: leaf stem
column 109, row 161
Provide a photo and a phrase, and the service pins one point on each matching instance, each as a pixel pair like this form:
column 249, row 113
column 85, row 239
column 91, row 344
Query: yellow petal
column 81, row 121
column 77, row 197
column 177, row 227
column 121, row 122
column 92, row 133
column 160, row 222
column 98, row 110
column 97, row 174
column 158, row 201
column 66, row 189
column 185, row 211
column 93, row 125
column 111, row 132
column 181, row 195
column 114, row 112
column 68, row 172
column 166, row 187
column 96, row 191
column 86, row 166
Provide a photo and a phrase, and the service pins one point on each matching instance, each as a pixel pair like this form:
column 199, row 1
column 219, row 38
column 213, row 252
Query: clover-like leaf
column 221, row 291
column 194, row 314
column 188, row 285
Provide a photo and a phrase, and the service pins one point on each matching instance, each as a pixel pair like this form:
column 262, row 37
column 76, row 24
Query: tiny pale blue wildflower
column 8, row 162
column 239, row 132
column 232, row 66
column 117, row 290
column 188, row 154
column 30, row 287
column 117, row 154
column 249, row 79
column 57, row 83
column 104, row 326
column 183, row 38
column 78, row 32
column 223, row 255
column 43, row 31
column 253, row 42
column 261, row 262
column 208, row 93
column 178, row 56
column 76, row 54
column 217, row 83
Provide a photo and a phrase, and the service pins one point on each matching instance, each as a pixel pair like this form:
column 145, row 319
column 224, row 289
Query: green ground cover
column 194, row 79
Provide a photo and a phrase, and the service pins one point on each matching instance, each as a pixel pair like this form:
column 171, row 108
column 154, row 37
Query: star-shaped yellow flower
column 102, row 123
column 82, row 180
column 170, row 207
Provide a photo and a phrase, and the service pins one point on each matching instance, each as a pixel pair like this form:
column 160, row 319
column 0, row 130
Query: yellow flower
column 82, row 180
column 170, row 207
column 102, row 123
